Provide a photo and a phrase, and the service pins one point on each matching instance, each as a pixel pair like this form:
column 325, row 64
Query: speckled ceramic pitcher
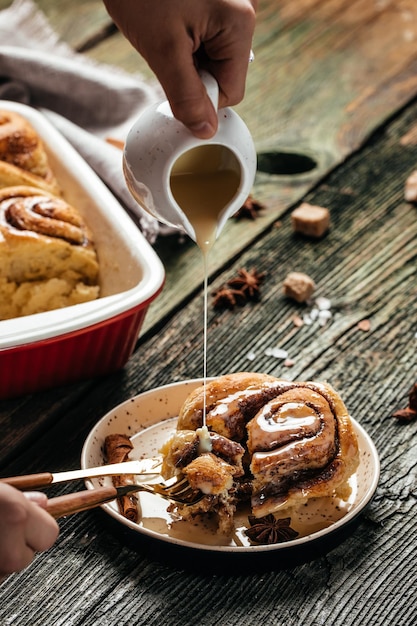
column 158, row 144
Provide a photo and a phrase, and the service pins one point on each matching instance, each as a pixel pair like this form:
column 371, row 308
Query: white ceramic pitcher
column 159, row 145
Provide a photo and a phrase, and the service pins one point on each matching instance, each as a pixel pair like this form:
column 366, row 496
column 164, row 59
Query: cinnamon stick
column 117, row 448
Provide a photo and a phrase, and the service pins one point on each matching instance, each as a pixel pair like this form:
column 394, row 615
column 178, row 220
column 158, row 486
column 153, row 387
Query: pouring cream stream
column 190, row 183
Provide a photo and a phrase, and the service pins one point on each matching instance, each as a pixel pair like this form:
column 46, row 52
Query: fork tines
column 179, row 490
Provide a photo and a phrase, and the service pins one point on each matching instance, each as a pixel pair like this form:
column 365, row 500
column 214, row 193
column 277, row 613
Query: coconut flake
column 324, row 317
column 307, row 319
column 314, row 314
column 323, row 304
column 277, row 353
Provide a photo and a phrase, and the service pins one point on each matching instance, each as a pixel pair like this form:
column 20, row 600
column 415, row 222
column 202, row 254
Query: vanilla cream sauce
column 203, row 182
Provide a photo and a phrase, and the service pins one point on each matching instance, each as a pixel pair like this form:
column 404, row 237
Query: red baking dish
column 93, row 338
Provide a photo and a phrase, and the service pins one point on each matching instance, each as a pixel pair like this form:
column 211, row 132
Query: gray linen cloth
column 87, row 102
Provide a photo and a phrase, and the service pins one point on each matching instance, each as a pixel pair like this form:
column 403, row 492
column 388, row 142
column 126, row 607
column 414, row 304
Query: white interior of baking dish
column 130, row 270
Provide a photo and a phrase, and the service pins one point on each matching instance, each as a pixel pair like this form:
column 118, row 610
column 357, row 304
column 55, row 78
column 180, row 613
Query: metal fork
column 177, row 490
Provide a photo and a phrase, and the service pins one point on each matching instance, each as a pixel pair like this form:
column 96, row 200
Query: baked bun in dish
column 23, row 158
column 274, row 443
column 47, row 255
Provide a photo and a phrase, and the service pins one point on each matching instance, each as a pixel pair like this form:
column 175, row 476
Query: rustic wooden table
column 331, row 105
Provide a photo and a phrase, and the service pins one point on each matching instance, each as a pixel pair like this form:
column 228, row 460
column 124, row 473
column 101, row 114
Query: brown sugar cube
column 298, row 286
column 310, row 220
column 410, row 191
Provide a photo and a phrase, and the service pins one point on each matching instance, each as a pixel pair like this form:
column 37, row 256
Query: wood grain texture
column 366, row 265
column 327, row 73
column 75, row 21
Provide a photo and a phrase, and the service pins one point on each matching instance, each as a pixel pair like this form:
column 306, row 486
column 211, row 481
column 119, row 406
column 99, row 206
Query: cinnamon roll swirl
column 191, row 414
column 296, row 442
column 302, row 445
column 23, row 159
column 47, row 256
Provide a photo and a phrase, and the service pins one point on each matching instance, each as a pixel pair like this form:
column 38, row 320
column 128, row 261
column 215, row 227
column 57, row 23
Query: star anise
column 410, row 412
column 405, row 415
column 268, row 529
column 412, row 398
column 248, row 282
column 249, row 209
column 228, row 298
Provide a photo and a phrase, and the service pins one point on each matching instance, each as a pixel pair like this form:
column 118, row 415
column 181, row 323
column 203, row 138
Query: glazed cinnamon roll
column 213, row 473
column 296, row 441
column 302, row 445
column 23, row 159
column 47, row 256
column 191, row 413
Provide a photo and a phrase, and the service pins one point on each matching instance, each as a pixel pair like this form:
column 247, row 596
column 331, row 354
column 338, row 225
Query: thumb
column 190, row 102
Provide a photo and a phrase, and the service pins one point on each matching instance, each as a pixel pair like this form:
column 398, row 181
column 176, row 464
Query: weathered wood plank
column 76, row 22
column 311, row 56
column 327, row 73
column 366, row 265
column 371, row 243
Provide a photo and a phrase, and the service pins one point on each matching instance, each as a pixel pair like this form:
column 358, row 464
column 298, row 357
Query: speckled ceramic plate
column 150, row 418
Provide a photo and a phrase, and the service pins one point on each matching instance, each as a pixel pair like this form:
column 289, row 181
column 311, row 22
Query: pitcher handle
column 212, row 87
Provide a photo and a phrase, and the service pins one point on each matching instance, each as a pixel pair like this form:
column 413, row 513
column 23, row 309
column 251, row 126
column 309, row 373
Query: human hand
column 176, row 37
column 25, row 528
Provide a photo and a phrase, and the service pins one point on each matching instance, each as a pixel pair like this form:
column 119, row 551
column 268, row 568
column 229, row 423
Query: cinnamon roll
column 191, row 413
column 23, row 159
column 47, row 256
column 213, row 473
column 302, row 445
column 296, row 441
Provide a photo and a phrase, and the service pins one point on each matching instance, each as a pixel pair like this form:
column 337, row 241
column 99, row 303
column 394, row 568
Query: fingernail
column 37, row 497
column 204, row 130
